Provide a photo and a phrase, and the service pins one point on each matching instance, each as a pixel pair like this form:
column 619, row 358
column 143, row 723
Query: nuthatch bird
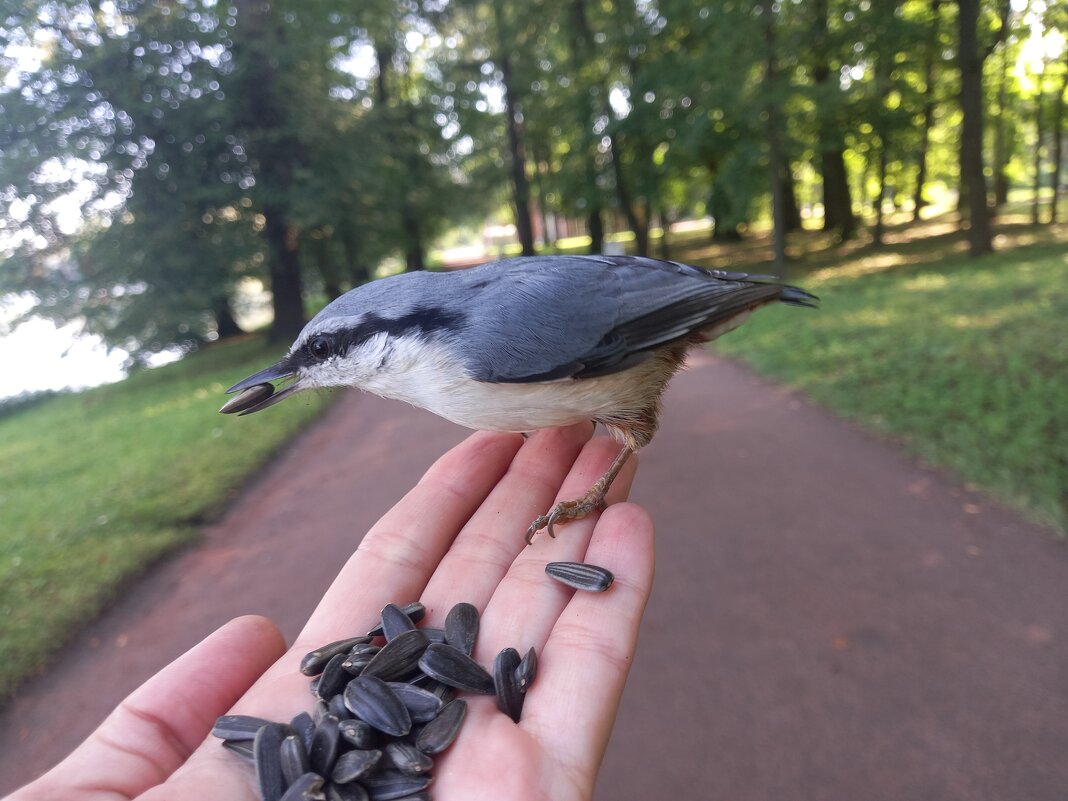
column 523, row 344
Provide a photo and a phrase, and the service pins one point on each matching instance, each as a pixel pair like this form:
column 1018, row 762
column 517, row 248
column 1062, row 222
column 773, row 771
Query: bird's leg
column 578, row 509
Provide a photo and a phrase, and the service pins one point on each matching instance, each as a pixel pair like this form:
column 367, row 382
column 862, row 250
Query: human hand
column 457, row 536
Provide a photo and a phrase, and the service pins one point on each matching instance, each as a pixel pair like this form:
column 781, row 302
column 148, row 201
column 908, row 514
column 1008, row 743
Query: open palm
column 457, row 536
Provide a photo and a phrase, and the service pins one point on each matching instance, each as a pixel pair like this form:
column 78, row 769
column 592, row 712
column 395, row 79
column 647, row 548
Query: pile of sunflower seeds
column 382, row 711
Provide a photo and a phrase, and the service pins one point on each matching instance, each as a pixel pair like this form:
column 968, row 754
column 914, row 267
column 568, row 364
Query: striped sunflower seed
column 333, row 678
column 415, row 612
column 359, row 733
column 509, row 696
column 313, row 662
column 453, row 667
column 439, row 734
column 257, row 393
column 325, row 745
column 461, row 627
column 352, row 765
column 294, row 758
column 237, row 727
column 387, row 785
column 406, row 758
column 308, row 787
column 355, row 663
column 581, row 576
column 394, row 621
column 398, row 657
column 304, row 726
column 527, row 670
column 352, row 791
column 243, row 748
column 422, row 704
column 266, row 750
column 370, row 699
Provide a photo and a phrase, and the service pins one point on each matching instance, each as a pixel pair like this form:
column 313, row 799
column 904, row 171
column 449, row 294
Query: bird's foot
column 564, row 511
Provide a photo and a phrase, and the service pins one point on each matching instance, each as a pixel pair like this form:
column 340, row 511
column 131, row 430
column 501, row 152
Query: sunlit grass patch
column 95, row 486
column 965, row 360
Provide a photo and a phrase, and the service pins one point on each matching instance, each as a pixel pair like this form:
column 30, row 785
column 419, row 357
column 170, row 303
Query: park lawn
column 97, row 485
column 963, row 360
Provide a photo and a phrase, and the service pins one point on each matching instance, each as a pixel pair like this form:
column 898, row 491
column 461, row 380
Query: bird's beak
column 258, row 393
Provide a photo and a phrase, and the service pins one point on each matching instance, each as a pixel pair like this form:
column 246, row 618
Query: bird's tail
column 796, row 296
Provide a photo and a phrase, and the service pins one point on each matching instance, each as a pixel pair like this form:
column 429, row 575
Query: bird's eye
column 319, row 348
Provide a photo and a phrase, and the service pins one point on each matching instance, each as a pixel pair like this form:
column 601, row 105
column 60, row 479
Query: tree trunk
column 287, row 291
column 918, row 200
column 595, row 224
column 1058, row 144
column 970, row 60
column 775, row 160
column 637, row 225
column 792, row 213
column 514, row 122
column 837, row 202
column 225, row 324
column 1002, row 136
column 877, row 233
column 1036, row 204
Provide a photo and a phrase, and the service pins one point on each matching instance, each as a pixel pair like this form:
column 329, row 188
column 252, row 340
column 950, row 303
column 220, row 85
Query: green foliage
column 963, row 360
column 99, row 484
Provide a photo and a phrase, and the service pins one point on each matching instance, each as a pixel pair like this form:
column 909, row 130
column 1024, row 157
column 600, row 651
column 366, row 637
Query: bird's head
column 349, row 343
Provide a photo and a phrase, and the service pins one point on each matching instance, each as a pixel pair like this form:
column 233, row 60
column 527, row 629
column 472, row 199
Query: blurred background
column 184, row 182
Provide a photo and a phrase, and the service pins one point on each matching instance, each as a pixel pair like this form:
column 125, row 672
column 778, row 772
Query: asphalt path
column 830, row 619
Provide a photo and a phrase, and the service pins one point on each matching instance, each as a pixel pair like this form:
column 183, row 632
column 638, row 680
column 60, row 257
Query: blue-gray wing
column 555, row 317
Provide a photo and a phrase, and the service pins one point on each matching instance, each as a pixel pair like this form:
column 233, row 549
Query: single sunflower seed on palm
column 461, row 627
column 415, row 612
column 325, row 745
column 359, row 733
column 237, row 727
column 266, row 750
column 439, row 734
column 353, row 765
column 406, row 758
column 453, row 667
column 398, row 657
column 422, row 704
column 370, row 699
column 394, row 621
column 581, row 576
column 527, row 670
column 509, row 696
column 294, row 758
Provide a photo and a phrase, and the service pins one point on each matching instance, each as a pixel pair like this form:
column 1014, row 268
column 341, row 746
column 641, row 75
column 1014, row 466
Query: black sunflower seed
column 308, row 787
column 304, row 726
column 398, row 657
column 527, row 670
column 266, row 751
column 359, row 733
column 355, row 663
column 386, row 785
column 414, row 611
column 406, row 758
column 257, row 393
column 461, row 627
column 353, row 791
column 333, row 678
column 438, row 734
column 237, row 727
column 394, row 621
column 370, row 699
column 313, row 663
column 243, row 748
column 325, row 745
column 336, row 705
column 453, row 667
column 509, row 696
column 581, row 576
column 294, row 758
column 422, row 704
column 351, row 765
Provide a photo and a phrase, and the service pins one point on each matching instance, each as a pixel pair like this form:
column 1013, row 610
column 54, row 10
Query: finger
column 487, row 545
column 392, row 564
column 401, row 551
column 159, row 725
column 582, row 669
column 527, row 603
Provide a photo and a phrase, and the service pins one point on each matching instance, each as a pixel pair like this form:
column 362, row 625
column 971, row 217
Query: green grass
column 964, row 360
column 97, row 485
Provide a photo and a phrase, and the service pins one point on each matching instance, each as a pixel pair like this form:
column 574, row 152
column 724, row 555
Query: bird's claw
column 565, row 511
